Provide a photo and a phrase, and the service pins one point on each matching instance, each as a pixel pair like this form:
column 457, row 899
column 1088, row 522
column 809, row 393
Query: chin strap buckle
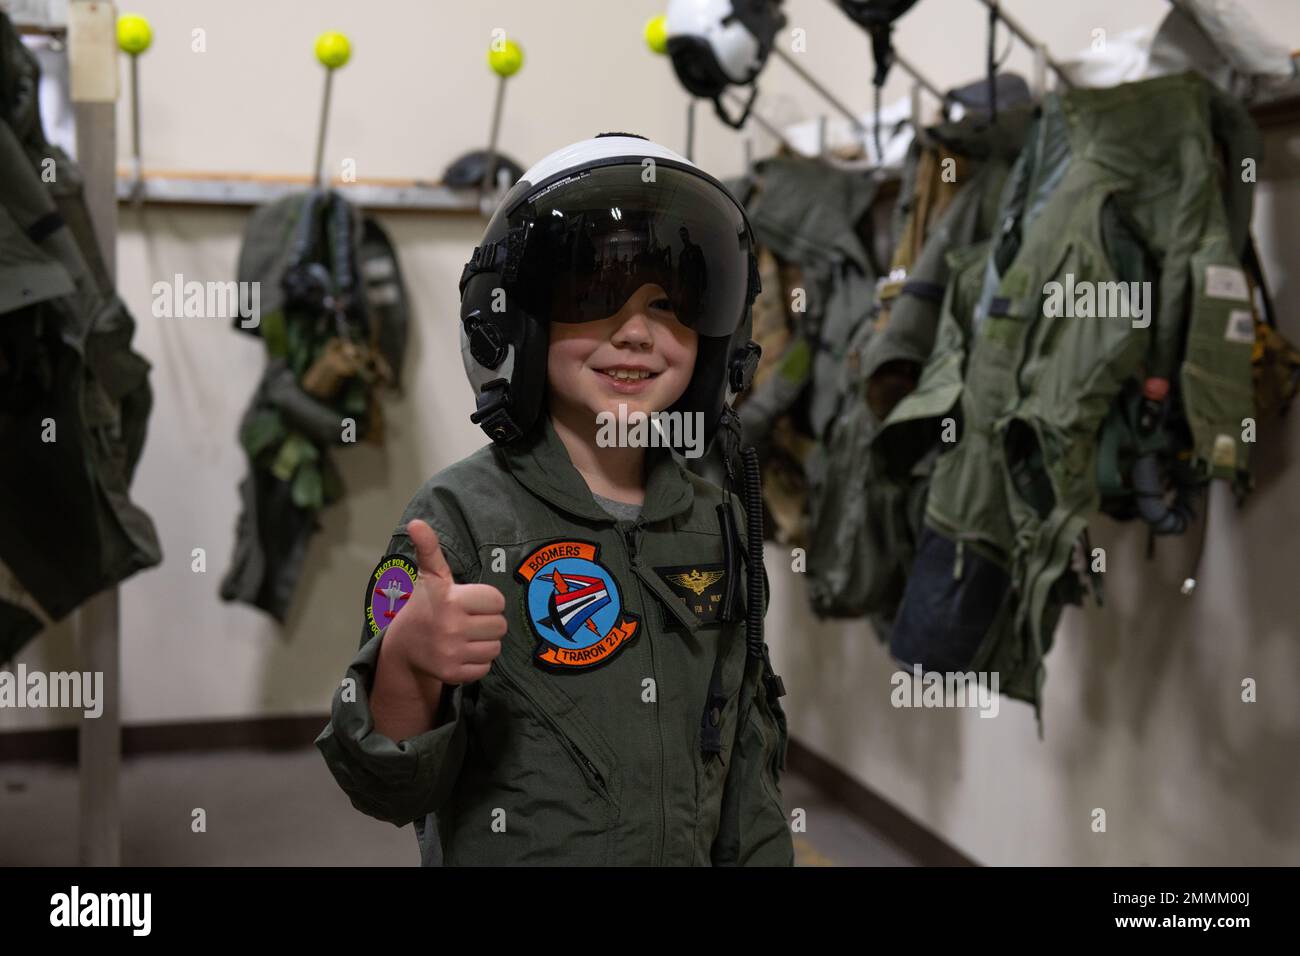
column 743, row 365
column 493, row 412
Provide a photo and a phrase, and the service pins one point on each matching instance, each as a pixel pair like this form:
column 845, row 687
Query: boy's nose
column 634, row 331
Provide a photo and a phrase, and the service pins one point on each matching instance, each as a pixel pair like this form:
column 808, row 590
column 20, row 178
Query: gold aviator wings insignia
column 697, row 581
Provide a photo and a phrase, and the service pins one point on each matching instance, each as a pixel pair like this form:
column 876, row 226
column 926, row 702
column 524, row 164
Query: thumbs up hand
column 448, row 631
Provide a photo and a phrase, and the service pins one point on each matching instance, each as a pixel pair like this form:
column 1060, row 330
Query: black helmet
column 580, row 232
column 468, row 170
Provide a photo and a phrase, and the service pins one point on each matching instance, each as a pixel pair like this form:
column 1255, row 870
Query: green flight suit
column 584, row 765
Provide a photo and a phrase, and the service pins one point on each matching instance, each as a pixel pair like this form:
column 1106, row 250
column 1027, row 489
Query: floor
column 284, row 809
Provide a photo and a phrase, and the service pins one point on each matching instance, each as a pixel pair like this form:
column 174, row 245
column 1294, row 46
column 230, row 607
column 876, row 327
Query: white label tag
column 1225, row 282
column 1241, row 327
column 92, row 53
column 1225, row 452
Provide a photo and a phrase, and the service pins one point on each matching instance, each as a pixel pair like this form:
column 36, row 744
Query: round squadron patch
column 391, row 585
column 574, row 607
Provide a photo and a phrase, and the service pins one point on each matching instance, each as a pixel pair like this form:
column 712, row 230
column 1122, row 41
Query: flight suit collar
column 542, row 465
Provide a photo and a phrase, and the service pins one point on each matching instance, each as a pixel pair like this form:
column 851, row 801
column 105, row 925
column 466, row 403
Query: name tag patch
column 700, row 587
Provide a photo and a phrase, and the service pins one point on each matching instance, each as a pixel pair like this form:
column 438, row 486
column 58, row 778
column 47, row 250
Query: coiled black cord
column 753, row 483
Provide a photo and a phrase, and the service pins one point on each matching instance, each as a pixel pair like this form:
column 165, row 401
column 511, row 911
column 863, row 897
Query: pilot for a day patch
column 700, row 586
column 574, row 607
column 391, row 585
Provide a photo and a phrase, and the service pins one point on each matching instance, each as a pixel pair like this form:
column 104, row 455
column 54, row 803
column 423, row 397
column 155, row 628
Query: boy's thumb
column 428, row 553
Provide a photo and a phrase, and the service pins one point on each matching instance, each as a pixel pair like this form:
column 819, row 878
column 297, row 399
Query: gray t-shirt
column 619, row 509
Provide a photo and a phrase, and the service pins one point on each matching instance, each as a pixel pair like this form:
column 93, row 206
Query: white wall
column 1143, row 715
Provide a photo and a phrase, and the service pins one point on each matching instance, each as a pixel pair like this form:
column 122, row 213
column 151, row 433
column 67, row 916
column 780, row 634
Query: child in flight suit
column 560, row 659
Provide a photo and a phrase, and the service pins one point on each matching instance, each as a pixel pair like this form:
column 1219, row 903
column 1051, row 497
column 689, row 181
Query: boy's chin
column 606, row 405
column 630, row 406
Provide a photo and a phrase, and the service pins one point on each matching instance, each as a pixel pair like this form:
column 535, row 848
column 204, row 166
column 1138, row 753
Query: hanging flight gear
column 74, row 397
column 864, row 523
column 877, row 18
column 715, row 44
column 334, row 322
column 1115, row 184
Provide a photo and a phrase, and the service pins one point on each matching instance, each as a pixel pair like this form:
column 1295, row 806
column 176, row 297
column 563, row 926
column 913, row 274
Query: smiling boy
column 559, row 659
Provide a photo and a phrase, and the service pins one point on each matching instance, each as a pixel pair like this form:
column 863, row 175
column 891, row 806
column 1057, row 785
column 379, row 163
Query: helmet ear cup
column 486, row 343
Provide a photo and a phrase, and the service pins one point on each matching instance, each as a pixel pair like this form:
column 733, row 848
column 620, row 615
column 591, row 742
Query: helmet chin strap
column 492, row 413
column 739, row 121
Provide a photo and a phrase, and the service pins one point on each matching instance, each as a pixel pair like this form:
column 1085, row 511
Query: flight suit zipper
column 584, row 762
column 629, row 536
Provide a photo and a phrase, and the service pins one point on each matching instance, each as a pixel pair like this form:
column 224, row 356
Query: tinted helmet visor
column 601, row 235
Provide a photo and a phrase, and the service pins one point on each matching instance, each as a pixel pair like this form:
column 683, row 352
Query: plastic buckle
column 744, row 363
column 493, row 412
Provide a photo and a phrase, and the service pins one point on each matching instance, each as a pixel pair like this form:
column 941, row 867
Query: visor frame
column 511, row 216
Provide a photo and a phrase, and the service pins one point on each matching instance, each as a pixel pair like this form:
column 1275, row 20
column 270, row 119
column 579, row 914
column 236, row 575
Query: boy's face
column 641, row 357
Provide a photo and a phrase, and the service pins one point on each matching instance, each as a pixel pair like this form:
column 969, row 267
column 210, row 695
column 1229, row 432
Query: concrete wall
column 1143, row 715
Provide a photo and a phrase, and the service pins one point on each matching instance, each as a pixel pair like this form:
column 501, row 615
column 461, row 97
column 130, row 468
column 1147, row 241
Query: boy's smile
column 628, row 379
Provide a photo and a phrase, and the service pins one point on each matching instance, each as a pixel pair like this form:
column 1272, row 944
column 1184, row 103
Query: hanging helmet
column 877, row 17
column 470, row 169
column 580, row 232
column 719, row 43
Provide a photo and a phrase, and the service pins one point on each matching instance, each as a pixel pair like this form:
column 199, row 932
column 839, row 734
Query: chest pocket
column 690, row 596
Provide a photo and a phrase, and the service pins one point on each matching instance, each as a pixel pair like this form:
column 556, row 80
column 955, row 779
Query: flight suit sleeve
column 753, row 829
column 396, row 781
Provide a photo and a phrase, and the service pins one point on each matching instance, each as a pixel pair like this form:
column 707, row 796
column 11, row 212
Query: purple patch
column 391, row 585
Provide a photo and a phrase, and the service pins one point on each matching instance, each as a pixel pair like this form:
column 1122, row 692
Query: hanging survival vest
column 334, row 322
column 864, row 525
column 74, row 396
column 1115, row 278
column 811, row 221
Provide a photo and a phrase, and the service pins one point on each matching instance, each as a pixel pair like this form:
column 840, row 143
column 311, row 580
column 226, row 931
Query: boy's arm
column 403, row 774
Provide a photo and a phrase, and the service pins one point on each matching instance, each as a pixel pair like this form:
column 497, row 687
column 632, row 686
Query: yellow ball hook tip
column 333, row 49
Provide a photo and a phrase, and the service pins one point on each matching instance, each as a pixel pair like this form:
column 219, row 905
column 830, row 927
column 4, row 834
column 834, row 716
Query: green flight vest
column 865, row 521
column 808, row 213
column 323, row 368
column 1121, row 185
column 813, row 217
column 74, row 396
column 648, row 757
